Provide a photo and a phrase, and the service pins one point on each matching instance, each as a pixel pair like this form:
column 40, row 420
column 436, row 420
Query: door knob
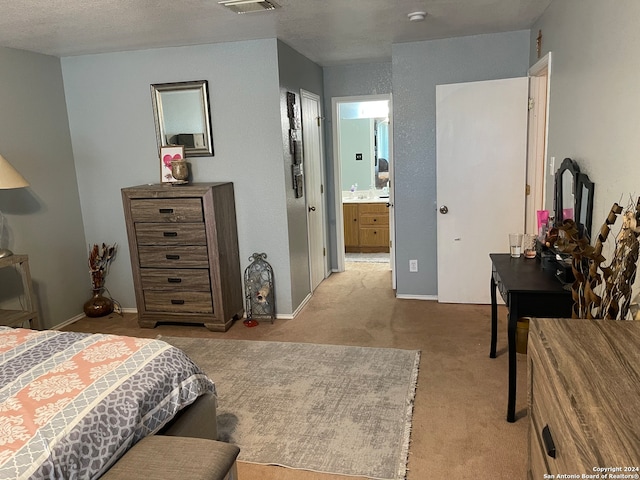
column 312, row 209
column 444, row 210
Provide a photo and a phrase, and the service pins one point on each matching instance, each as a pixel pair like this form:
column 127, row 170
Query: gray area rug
column 326, row 408
column 367, row 257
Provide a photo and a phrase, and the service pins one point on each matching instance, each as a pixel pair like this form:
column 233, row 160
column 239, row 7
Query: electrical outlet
column 413, row 265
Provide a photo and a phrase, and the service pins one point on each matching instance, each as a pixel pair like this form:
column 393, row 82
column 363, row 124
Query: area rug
column 326, row 408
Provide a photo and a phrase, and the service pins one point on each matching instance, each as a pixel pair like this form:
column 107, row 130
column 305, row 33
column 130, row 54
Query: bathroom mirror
column 182, row 116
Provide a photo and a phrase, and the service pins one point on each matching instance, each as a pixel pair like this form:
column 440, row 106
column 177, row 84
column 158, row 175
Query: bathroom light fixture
column 417, row 16
column 249, row 6
column 9, row 178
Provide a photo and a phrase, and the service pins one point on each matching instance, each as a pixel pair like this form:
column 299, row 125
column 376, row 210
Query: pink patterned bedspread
column 72, row 403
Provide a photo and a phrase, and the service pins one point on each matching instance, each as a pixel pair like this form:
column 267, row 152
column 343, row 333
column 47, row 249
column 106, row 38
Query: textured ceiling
column 329, row 32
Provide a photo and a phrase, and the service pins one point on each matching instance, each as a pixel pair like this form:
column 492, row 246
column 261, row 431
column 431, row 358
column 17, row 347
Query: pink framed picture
column 167, row 154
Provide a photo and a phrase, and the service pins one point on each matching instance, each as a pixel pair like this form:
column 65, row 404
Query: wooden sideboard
column 366, row 227
column 184, row 254
column 584, row 398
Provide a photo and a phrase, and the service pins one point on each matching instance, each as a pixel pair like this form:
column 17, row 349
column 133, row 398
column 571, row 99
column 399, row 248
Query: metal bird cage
column 258, row 285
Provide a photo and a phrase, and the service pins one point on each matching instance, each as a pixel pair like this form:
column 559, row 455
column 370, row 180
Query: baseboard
column 291, row 316
column 417, row 297
column 81, row 315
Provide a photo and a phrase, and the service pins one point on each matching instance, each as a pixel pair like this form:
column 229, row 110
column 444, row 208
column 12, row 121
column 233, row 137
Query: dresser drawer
column 178, row 301
column 173, row 234
column 171, row 210
column 194, row 279
column 174, row 257
column 373, row 208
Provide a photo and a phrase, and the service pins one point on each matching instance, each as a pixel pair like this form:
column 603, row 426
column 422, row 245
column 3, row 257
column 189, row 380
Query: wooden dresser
column 366, row 227
column 184, row 253
column 584, row 398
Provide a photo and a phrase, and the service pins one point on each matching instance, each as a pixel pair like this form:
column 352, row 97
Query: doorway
column 363, row 175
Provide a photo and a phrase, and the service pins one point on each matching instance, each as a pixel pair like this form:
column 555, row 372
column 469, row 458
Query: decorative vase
column 180, row 170
column 98, row 305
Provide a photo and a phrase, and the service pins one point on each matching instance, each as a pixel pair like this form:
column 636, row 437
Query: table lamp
column 9, row 178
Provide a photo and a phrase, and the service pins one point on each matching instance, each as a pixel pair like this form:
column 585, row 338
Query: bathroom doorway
column 363, row 167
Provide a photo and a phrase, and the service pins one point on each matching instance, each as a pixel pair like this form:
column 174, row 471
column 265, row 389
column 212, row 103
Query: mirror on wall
column 182, row 116
column 363, row 139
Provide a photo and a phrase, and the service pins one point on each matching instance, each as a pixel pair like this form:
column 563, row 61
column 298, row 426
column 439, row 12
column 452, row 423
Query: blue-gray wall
column 594, row 95
column 296, row 72
column 417, row 68
column 114, row 144
column 346, row 81
column 43, row 220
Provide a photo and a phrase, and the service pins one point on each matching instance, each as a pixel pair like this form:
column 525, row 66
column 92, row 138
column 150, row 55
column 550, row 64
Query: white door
column 314, row 188
column 481, row 170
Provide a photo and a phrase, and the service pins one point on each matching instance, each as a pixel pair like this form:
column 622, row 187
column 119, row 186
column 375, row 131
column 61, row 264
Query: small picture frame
column 168, row 153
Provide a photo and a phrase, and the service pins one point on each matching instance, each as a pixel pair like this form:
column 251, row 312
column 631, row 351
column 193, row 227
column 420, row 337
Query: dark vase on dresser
column 184, row 254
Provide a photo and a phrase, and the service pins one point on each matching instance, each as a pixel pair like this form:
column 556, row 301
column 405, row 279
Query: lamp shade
column 9, row 176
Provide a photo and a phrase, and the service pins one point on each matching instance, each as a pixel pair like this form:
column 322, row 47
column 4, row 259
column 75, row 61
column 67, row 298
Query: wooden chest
column 184, row 254
column 584, row 398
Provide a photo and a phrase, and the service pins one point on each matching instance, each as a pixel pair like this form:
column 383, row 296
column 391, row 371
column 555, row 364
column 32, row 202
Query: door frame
column 323, row 175
column 337, row 177
column 537, row 140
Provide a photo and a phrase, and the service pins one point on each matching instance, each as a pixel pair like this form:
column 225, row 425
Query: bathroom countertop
column 365, row 200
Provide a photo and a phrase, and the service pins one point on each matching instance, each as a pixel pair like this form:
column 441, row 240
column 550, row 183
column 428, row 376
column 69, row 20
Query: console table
column 528, row 291
column 15, row 318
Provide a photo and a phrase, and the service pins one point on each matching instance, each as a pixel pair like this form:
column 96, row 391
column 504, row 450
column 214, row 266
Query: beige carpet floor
column 459, row 426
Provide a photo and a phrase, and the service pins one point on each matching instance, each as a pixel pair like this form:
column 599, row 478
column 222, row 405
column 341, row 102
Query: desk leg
column 511, row 339
column 494, row 319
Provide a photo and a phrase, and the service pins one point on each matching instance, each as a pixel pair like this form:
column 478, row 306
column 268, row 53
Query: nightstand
column 15, row 318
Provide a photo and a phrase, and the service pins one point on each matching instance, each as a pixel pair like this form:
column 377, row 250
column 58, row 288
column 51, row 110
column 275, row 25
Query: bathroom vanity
column 366, row 225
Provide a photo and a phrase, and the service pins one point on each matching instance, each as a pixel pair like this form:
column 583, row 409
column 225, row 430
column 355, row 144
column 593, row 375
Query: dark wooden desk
column 528, row 291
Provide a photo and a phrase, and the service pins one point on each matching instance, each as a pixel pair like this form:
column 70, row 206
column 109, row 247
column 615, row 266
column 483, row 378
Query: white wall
column 43, row 220
column 595, row 95
column 114, row 143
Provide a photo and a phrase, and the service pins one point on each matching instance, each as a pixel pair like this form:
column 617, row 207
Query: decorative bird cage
column 258, row 285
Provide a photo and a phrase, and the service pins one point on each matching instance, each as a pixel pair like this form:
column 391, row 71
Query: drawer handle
column 177, row 302
column 170, row 234
column 172, row 257
column 547, row 439
column 166, row 210
column 174, row 280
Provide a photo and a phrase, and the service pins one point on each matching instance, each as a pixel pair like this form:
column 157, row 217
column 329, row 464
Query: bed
column 71, row 404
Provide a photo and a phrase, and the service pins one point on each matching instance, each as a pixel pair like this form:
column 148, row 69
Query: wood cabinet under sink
column 366, row 227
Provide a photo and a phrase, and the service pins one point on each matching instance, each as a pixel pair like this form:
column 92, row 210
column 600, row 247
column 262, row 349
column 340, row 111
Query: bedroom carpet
column 325, row 408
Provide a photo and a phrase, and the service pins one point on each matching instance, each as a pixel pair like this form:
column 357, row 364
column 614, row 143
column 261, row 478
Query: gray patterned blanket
column 72, row 403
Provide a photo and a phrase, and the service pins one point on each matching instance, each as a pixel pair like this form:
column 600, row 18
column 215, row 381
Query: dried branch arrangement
column 599, row 290
column 99, row 260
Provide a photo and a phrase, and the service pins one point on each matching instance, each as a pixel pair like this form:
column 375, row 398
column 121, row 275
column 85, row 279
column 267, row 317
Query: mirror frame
column 200, row 86
column 583, row 185
column 580, row 181
column 572, row 167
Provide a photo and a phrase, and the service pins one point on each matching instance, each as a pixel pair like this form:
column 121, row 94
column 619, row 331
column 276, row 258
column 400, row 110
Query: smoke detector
column 249, row 6
column 417, row 16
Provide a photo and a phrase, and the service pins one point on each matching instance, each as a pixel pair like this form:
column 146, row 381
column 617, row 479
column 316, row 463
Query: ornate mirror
column 181, row 113
column 573, row 196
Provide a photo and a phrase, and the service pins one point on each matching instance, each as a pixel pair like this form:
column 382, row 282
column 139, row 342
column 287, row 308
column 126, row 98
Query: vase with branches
column 100, row 258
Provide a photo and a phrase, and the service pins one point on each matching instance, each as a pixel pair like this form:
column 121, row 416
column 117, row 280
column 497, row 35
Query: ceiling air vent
column 249, row 6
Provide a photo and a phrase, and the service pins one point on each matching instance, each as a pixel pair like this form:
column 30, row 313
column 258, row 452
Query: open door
column 481, row 166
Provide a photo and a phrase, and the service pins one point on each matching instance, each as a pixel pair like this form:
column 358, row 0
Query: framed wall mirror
column 182, row 116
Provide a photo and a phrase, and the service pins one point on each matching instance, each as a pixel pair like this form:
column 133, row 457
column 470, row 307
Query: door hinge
column 390, row 243
column 530, row 107
column 321, row 189
column 324, row 252
column 319, row 119
column 527, row 190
